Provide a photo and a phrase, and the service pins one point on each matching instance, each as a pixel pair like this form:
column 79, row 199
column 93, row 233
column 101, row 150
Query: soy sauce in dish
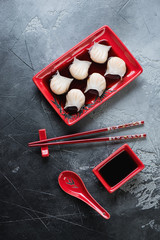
column 118, row 168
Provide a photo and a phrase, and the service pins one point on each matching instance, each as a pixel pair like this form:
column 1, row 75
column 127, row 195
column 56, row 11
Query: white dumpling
column 79, row 69
column 59, row 84
column 97, row 82
column 75, row 98
column 116, row 66
column 99, row 53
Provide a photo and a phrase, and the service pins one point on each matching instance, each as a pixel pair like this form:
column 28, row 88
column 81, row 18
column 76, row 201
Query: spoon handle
column 95, row 205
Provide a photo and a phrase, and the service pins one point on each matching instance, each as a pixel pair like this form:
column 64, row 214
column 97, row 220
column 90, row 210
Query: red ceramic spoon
column 72, row 184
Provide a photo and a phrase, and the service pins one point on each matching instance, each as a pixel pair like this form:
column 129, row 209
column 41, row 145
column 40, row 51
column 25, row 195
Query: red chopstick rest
column 43, row 136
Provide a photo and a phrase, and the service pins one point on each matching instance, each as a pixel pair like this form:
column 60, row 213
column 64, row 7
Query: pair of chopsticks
column 48, row 142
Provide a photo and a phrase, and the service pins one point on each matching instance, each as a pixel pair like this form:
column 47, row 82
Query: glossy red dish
column 103, row 35
column 136, row 161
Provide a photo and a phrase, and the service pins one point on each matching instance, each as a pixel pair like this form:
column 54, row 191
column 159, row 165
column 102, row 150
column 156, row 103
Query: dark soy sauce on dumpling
column 71, row 110
column 91, row 95
column 112, row 77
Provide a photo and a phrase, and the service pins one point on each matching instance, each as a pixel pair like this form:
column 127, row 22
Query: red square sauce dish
column 118, row 168
column 105, row 36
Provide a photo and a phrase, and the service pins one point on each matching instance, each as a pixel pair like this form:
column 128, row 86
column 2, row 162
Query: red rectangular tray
column 103, row 35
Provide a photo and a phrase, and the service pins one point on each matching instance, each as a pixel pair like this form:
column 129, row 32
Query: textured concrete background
column 32, row 206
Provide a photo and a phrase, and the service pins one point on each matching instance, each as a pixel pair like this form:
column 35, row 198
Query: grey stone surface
column 32, row 206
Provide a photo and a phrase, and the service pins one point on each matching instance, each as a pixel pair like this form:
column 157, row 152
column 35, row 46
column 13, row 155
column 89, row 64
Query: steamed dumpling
column 79, row 69
column 97, row 82
column 99, row 53
column 116, row 66
column 75, row 98
column 60, row 84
